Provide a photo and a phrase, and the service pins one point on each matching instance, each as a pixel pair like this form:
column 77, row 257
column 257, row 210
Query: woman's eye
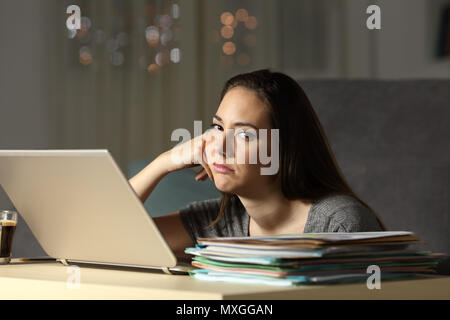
column 216, row 126
column 246, row 135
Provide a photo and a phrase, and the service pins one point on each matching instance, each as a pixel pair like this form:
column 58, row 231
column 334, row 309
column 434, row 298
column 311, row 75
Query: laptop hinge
column 63, row 261
column 66, row 263
column 166, row 270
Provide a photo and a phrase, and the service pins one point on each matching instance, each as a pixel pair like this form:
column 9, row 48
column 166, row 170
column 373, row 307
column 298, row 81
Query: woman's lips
column 220, row 168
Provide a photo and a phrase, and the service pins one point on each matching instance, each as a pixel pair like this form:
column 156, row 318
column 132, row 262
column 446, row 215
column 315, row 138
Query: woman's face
column 236, row 168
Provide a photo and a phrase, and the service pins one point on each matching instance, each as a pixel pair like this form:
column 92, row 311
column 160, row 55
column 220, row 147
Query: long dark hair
column 308, row 168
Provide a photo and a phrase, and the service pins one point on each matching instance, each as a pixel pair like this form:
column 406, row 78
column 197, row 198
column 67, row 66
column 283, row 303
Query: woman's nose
column 224, row 144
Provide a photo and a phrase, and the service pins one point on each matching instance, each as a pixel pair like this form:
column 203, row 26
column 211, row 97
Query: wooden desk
column 48, row 280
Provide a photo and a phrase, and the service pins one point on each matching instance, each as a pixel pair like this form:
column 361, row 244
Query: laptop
column 82, row 209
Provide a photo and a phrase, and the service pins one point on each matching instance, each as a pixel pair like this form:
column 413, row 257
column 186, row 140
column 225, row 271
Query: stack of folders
column 311, row 258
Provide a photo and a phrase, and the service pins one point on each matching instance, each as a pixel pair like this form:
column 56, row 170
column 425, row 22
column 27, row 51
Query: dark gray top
column 338, row 213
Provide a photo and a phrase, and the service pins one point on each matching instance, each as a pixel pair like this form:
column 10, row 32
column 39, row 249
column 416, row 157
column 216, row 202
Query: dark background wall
column 24, row 120
column 391, row 139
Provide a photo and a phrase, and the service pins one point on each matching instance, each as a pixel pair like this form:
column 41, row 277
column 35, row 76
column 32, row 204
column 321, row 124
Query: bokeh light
column 122, row 39
column 71, row 33
column 99, row 36
column 112, row 45
column 117, row 58
column 162, row 58
column 85, row 56
column 229, row 48
column 241, row 15
column 175, row 11
column 152, row 35
column 241, row 36
column 162, row 31
column 165, row 21
column 251, row 23
column 175, row 55
column 153, row 68
column 250, row 40
column 227, row 18
column 85, row 23
column 243, row 59
column 166, row 36
column 227, row 32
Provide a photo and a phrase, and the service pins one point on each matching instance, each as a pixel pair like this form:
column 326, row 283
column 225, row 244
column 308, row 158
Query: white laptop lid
column 80, row 207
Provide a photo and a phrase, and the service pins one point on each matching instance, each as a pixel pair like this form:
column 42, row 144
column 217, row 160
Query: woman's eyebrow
column 237, row 123
column 218, row 118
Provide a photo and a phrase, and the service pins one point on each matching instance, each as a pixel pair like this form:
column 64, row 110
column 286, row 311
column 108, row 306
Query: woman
column 307, row 194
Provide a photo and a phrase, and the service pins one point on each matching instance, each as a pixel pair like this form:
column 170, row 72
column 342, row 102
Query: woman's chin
column 223, row 183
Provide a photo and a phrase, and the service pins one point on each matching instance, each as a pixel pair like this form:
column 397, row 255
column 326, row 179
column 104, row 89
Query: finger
column 205, row 161
column 206, row 166
column 202, row 178
column 201, row 175
column 197, row 147
column 207, row 170
column 200, row 157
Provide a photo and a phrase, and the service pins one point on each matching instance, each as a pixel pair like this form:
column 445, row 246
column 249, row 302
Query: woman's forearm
column 180, row 157
column 148, row 178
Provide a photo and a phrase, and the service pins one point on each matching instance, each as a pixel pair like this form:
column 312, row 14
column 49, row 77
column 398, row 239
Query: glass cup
column 8, row 223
